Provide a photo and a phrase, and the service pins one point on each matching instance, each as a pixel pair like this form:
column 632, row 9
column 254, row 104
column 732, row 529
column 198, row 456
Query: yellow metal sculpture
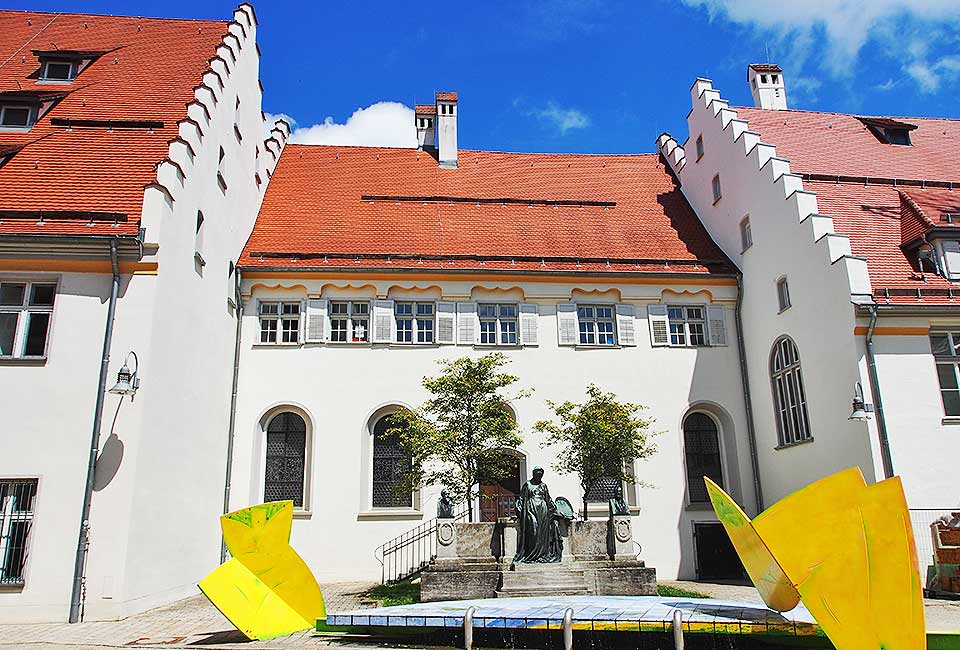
column 843, row 548
column 265, row 589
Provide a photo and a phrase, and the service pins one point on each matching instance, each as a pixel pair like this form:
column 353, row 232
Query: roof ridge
column 92, row 15
column 853, row 115
column 645, row 154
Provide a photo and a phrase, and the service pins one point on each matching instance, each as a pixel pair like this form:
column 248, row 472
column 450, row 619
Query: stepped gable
column 329, row 206
column 85, row 163
column 884, row 196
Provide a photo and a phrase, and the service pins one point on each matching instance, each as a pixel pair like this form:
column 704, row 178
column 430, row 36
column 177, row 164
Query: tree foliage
column 601, row 437
column 456, row 438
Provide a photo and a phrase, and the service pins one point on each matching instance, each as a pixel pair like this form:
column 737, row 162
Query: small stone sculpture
column 445, row 506
column 617, row 505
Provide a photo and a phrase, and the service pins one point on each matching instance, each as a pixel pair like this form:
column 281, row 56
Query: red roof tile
column 870, row 212
column 149, row 73
column 314, row 208
column 426, row 109
column 446, row 97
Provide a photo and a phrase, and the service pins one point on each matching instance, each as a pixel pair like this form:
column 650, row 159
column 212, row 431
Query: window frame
column 25, row 516
column 953, row 360
column 595, row 320
column 349, row 318
column 746, row 234
column 71, row 74
column 783, row 294
column 717, row 188
column 414, row 497
column 268, row 419
column 498, row 321
column 718, row 431
column 686, row 321
column 31, row 111
column 277, row 318
column 24, row 311
column 792, row 417
column 416, row 320
column 698, row 144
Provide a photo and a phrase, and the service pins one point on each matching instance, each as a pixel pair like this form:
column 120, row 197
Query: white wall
column 340, row 387
column 789, row 239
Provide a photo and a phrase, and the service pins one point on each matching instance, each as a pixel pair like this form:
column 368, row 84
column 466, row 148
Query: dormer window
column 59, row 71
column 15, row 116
column 889, row 131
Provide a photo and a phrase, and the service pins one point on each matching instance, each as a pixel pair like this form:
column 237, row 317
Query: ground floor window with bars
column 701, row 446
column 390, row 466
column 604, row 489
column 285, row 459
column 16, row 519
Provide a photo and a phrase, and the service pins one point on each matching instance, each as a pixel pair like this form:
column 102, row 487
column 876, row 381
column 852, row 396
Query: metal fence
column 921, row 518
column 16, row 519
column 408, row 554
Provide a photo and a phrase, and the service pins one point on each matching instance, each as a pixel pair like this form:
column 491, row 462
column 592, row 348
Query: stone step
column 543, row 591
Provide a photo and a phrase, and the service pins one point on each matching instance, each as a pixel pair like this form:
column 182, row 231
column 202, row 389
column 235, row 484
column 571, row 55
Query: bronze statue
column 617, row 505
column 538, row 535
column 445, row 506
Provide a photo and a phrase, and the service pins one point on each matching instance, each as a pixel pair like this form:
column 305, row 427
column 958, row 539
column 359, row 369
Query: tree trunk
column 585, row 514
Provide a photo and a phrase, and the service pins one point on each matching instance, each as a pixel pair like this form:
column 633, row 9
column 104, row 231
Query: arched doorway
column 499, row 499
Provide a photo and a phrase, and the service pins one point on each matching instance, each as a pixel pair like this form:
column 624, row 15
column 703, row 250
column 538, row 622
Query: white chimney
column 447, row 129
column 767, row 87
column 424, row 119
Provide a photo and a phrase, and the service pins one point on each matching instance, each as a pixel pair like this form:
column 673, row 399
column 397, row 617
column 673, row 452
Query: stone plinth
column 475, row 560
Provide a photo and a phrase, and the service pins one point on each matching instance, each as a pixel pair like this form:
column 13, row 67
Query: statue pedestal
column 621, row 538
column 446, row 539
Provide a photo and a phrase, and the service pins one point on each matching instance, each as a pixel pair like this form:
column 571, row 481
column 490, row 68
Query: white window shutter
column 951, row 255
column 659, row 325
column 316, row 318
column 446, row 322
column 567, row 326
column 717, row 325
column 529, row 317
column 383, row 323
column 467, row 326
column 626, row 327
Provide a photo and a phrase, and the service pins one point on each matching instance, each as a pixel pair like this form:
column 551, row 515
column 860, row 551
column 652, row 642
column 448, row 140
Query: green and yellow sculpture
column 265, row 589
column 843, row 548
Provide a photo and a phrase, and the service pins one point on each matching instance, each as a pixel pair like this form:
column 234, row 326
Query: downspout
column 877, row 399
column 83, row 539
column 747, row 400
column 233, row 403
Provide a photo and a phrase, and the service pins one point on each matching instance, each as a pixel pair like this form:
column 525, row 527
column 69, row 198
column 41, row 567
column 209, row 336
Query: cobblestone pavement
column 195, row 623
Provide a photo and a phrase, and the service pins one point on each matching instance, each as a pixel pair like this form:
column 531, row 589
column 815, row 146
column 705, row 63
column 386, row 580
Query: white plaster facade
column 339, row 388
column 160, row 478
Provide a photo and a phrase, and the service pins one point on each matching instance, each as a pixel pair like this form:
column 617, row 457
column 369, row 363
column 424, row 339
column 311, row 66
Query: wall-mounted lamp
column 861, row 409
column 127, row 381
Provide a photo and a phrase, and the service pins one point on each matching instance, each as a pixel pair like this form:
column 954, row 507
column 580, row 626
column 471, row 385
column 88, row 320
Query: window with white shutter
column 316, row 320
column 446, row 323
column 717, row 325
column 659, row 325
column 951, row 255
column 383, row 321
column 466, row 323
column 626, row 327
column 567, row 326
column 529, row 322
column 279, row 322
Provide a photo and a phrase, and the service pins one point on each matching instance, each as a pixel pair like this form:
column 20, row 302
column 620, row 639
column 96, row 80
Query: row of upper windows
column 404, row 322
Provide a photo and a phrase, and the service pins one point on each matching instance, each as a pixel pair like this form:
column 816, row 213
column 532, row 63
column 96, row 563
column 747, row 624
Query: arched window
column 701, row 445
column 789, row 396
column 286, row 458
column 389, row 467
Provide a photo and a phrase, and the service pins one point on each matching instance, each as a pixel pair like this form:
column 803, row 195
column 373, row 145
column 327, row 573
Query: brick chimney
column 446, row 130
column 767, row 87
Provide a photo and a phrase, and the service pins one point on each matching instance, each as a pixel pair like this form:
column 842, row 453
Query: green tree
column 602, row 437
column 457, row 437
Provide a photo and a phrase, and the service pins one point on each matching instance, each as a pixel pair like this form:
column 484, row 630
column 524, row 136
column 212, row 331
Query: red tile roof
column 866, row 204
column 499, row 211
column 426, row 109
column 446, row 97
column 149, row 72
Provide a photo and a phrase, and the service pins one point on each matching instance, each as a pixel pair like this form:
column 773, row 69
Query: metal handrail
column 408, row 554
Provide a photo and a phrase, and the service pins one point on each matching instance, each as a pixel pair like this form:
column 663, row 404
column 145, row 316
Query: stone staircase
column 544, row 580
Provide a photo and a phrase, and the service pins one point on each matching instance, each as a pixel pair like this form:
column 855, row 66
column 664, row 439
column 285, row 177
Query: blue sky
column 578, row 75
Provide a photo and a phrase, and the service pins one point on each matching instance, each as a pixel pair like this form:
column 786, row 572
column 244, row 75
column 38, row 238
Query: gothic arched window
column 390, row 465
column 701, row 445
column 286, row 458
column 789, row 396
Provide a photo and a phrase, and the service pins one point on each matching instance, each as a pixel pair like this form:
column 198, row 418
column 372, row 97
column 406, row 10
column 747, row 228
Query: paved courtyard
column 195, row 623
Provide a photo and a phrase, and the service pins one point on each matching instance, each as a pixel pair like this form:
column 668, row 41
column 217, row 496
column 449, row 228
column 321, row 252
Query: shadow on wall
column 108, row 464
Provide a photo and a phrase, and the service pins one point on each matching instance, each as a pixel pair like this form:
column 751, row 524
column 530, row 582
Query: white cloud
column 845, row 27
column 384, row 124
column 562, row 119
